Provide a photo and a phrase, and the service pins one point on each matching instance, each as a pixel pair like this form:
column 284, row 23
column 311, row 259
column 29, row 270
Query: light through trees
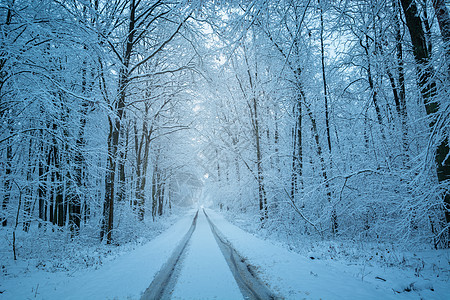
column 326, row 118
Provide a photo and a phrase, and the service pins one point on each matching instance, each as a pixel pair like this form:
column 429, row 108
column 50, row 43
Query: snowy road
column 205, row 266
column 164, row 281
column 205, row 273
column 202, row 271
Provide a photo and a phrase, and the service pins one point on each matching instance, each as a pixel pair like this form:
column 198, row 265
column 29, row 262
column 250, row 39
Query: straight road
column 205, row 273
column 206, row 266
column 194, row 260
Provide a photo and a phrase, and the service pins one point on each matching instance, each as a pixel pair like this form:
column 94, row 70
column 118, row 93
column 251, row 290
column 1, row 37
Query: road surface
column 205, row 266
column 195, row 259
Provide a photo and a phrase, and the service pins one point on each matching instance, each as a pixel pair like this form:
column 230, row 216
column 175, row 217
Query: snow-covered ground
column 204, row 274
column 125, row 277
column 296, row 276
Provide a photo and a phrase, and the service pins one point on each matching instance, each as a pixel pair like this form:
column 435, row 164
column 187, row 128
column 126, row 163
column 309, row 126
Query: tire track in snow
column 244, row 274
column 251, row 287
column 164, row 281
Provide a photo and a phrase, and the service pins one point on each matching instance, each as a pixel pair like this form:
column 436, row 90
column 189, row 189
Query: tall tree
column 428, row 90
column 142, row 20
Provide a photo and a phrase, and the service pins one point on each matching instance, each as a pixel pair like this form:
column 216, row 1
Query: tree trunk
column 297, row 152
column 7, row 183
column 75, row 197
column 8, row 167
column 397, row 81
column 428, row 90
column 142, row 151
column 115, row 124
column 154, row 191
column 122, row 157
column 161, row 198
column 334, row 223
column 108, row 205
column 253, row 105
column 401, row 78
column 372, row 88
column 324, row 80
column 41, row 186
column 261, row 190
column 443, row 17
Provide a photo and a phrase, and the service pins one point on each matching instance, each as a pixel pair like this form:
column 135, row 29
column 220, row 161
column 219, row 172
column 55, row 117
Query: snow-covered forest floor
column 304, row 269
column 415, row 270
column 52, row 255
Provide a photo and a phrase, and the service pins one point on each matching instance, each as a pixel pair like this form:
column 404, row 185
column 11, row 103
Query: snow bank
column 294, row 276
column 126, row 277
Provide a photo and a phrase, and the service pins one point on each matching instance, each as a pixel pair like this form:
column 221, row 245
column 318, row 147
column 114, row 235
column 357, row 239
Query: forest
column 305, row 120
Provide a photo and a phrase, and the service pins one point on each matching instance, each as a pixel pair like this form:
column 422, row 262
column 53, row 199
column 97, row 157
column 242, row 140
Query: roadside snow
column 293, row 276
column 126, row 277
column 204, row 273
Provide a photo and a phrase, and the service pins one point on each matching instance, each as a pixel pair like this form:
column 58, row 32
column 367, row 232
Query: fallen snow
column 204, row 272
column 126, row 277
column 293, row 276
